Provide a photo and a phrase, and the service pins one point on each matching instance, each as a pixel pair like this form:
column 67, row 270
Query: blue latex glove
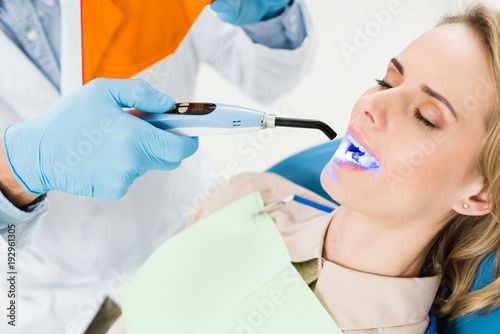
column 240, row 12
column 87, row 145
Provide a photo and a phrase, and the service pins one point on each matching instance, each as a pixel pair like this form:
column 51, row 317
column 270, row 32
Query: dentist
column 78, row 141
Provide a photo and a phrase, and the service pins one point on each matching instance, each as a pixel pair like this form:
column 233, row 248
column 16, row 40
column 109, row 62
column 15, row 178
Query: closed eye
column 418, row 115
column 416, row 112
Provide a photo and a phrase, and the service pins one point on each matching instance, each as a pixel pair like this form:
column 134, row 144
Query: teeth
column 355, row 143
column 352, row 152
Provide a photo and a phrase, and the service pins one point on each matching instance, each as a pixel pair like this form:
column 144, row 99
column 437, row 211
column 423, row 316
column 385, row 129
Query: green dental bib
column 228, row 274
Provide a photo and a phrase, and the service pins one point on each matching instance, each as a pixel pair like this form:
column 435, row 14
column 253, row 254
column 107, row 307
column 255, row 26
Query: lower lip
column 349, row 167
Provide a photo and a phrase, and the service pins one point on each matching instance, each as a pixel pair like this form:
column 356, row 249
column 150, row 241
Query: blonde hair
column 467, row 240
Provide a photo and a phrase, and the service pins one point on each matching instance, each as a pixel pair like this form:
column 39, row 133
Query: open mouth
column 352, row 152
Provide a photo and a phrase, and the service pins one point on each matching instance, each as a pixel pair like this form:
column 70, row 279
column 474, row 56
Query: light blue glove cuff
column 275, row 10
column 18, row 179
column 241, row 12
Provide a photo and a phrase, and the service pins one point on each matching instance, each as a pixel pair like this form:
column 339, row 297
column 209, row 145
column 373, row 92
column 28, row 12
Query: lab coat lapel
column 71, row 48
column 20, row 77
column 71, row 40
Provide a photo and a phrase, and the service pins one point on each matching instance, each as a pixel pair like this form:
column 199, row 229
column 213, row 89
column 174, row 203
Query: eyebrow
column 398, row 66
column 427, row 90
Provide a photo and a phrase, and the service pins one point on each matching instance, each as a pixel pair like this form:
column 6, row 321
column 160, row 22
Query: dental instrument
column 196, row 119
column 279, row 203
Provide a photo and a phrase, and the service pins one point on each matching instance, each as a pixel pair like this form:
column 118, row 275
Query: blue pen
column 279, row 203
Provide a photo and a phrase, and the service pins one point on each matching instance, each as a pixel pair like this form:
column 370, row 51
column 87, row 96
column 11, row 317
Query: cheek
column 428, row 176
column 411, row 180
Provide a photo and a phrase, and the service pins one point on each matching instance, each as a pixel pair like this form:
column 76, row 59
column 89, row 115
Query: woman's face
column 420, row 128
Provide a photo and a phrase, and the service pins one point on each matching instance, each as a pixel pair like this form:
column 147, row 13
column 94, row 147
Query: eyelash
column 422, row 119
column 416, row 112
column 383, row 84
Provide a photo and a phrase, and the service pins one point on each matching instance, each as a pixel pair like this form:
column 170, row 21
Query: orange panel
column 121, row 38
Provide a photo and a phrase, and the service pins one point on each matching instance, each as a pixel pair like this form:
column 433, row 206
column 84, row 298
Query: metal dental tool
column 279, row 203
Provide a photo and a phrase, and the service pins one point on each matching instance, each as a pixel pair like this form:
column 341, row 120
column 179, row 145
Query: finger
column 138, row 93
column 167, row 150
column 225, row 6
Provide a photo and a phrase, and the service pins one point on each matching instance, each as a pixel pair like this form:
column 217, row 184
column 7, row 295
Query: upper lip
column 361, row 139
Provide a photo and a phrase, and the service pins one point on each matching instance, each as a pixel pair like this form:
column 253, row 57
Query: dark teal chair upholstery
column 304, row 169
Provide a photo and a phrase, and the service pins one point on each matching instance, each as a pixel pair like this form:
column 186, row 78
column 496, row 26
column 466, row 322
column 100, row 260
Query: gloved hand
column 240, row 12
column 87, row 145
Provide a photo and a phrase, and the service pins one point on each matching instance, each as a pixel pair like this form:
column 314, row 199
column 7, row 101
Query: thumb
column 139, row 94
column 166, row 150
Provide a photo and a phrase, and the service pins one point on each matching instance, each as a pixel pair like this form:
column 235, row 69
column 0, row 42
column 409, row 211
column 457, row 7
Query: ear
column 478, row 201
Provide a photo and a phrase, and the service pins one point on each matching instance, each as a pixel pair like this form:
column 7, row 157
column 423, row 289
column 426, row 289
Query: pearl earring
column 466, row 206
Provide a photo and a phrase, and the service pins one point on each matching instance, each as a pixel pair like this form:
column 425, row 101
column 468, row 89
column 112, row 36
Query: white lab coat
column 85, row 248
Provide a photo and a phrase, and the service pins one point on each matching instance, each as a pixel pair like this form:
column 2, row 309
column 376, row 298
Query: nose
column 370, row 116
column 374, row 109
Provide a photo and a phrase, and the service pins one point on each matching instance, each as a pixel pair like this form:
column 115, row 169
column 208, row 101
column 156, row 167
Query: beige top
column 360, row 303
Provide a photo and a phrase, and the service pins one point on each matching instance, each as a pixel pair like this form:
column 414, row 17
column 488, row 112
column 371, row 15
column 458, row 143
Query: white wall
column 333, row 84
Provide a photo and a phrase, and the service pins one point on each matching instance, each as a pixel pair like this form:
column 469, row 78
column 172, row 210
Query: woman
column 417, row 178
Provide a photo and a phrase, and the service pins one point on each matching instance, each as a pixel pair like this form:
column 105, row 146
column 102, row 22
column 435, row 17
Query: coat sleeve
column 17, row 226
column 262, row 72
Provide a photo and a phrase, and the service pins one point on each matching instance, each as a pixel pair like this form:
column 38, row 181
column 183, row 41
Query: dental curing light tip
column 307, row 124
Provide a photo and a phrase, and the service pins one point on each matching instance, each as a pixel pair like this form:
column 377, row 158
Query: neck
column 375, row 246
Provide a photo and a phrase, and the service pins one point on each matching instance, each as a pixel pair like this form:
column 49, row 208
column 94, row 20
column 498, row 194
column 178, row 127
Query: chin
column 329, row 180
column 349, row 188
